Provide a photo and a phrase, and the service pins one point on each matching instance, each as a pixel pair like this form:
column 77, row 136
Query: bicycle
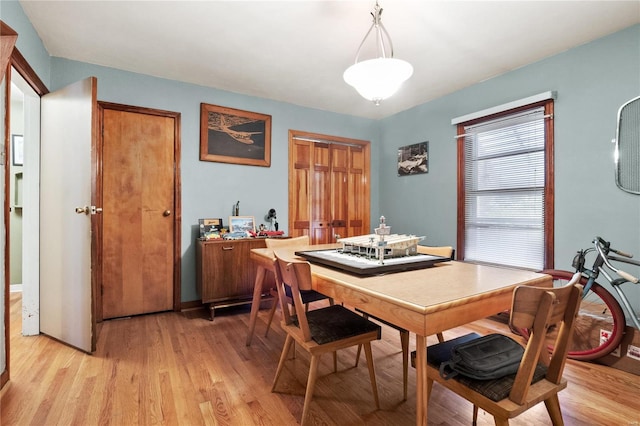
column 601, row 321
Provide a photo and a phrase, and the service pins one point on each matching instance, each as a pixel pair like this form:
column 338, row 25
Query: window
column 505, row 187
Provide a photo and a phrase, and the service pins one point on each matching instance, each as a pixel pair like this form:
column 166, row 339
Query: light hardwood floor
column 181, row 369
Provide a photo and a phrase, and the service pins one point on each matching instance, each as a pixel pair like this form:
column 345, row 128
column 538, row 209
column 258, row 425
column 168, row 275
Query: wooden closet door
column 328, row 187
column 321, row 194
column 300, row 157
column 340, row 200
column 358, row 192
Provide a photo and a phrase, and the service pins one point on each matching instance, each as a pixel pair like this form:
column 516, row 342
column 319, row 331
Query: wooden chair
column 539, row 377
column 444, row 251
column 320, row 330
column 308, row 296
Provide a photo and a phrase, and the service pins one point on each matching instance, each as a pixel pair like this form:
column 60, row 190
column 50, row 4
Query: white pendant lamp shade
column 377, row 79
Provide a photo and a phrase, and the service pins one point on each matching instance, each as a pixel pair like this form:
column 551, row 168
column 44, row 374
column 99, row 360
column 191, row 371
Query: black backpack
column 487, row 357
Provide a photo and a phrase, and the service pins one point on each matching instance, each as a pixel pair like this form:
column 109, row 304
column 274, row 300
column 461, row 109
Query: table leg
column 422, row 396
column 255, row 302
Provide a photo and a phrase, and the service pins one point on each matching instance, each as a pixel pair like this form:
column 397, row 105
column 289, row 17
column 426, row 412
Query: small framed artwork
column 242, row 224
column 209, row 227
column 234, row 136
column 413, row 159
column 17, row 150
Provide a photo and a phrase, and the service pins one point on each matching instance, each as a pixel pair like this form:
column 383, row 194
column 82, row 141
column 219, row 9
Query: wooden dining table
column 424, row 301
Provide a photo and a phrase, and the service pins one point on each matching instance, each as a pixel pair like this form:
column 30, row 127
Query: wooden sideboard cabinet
column 225, row 274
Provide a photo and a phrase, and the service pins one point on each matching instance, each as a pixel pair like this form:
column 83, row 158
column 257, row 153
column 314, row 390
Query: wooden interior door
column 140, row 203
column 328, row 187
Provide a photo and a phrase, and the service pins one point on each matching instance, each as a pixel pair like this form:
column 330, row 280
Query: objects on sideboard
column 271, row 218
column 239, row 227
column 245, row 227
column 210, row 228
column 239, row 235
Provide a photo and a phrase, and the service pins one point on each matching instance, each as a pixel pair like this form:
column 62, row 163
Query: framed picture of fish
column 229, row 135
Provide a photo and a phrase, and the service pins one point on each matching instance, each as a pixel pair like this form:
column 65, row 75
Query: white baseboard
column 15, row 288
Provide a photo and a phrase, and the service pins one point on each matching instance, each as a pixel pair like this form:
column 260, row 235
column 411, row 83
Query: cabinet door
column 209, row 267
column 237, row 264
column 228, row 275
column 216, row 279
column 225, row 270
column 245, row 267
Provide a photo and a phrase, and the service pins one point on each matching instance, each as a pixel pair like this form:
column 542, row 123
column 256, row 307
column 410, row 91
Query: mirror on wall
column 627, row 152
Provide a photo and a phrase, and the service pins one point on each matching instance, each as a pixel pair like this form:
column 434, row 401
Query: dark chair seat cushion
column 498, row 389
column 308, row 296
column 336, row 323
column 494, row 389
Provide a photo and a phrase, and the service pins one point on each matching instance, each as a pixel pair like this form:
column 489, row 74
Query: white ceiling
column 296, row 51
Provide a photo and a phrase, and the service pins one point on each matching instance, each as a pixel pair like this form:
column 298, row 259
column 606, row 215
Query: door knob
column 81, row 210
column 166, row 213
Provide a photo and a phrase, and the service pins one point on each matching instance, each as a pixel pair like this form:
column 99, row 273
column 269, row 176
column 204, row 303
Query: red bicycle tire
column 617, row 315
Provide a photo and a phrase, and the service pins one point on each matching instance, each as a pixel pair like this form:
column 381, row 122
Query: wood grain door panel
column 138, row 208
column 339, row 191
column 300, row 188
column 358, row 192
column 328, row 186
column 320, row 194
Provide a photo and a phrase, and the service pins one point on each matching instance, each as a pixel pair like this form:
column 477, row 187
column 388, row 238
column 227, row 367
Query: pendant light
column 378, row 78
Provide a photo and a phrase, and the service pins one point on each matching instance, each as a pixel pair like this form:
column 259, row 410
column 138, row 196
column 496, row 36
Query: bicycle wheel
column 599, row 313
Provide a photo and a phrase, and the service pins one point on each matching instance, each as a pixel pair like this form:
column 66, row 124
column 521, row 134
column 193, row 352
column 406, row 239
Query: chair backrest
column 537, row 309
column 444, row 251
column 274, row 243
column 296, row 274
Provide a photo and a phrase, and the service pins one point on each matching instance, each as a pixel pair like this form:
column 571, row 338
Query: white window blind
column 504, row 190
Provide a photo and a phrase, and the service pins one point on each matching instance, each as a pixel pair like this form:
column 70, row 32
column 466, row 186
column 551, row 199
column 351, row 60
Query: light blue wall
column 28, row 43
column 210, row 189
column 592, row 81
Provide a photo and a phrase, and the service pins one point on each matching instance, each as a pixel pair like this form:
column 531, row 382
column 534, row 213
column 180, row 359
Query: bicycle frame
column 616, row 283
column 603, row 248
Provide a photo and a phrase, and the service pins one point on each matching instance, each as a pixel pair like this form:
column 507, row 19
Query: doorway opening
column 23, row 192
